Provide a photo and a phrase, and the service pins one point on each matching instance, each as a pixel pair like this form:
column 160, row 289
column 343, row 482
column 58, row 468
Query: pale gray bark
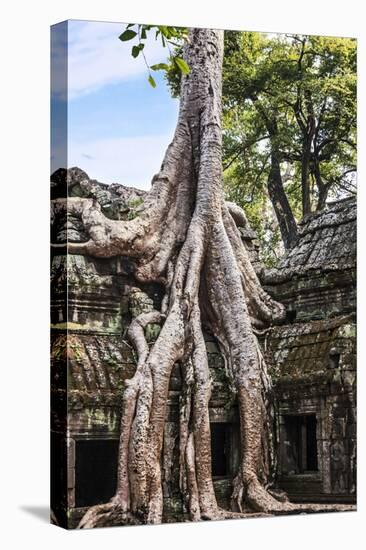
column 186, row 238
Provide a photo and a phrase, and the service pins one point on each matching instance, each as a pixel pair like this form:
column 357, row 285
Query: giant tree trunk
column 186, row 239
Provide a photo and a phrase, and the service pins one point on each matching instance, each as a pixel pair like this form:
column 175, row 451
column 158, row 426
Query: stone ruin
column 312, row 360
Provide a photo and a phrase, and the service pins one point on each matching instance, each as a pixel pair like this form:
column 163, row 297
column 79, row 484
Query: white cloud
column 130, row 161
column 97, row 57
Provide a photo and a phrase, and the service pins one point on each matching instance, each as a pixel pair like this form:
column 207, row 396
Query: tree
column 186, row 238
column 250, row 71
column 290, row 108
column 325, row 111
column 324, row 105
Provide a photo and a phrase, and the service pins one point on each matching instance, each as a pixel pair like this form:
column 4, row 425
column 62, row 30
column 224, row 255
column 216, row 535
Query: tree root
column 261, row 500
column 104, row 515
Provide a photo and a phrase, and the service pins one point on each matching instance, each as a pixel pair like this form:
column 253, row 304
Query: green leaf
column 135, row 51
column 127, row 35
column 143, row 33
column 160, row 67
column 182, row 65
column 152, row 81
column 164, row 30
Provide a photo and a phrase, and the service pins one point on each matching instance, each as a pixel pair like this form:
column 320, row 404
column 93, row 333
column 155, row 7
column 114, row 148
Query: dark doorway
column 299, row 444
column 95, row 471
column 290, row 315
column 219, row 448
column 334, row 359
column 58, row 472
column 311, row 446
column 225, row 449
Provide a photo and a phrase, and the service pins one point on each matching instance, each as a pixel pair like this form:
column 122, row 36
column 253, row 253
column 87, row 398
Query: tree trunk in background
column 305, row 180
column 308, row 130
column 276, row 192
column 323, row 188
column 278, row 197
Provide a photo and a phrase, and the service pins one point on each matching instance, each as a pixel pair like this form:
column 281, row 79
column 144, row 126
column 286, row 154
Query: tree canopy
column 289, row 104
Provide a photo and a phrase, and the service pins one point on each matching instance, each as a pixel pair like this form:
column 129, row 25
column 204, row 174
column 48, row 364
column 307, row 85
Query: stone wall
column 313, row 366
column 311, row 359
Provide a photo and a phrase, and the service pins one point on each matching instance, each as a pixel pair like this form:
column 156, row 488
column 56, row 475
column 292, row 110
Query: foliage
column 133, row 205
column 280, row 90
column 170, row 36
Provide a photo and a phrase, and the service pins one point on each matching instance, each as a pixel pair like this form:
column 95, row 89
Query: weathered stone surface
column 327, row 241
column 311, row 358
column 116, row 200
column 317, row 278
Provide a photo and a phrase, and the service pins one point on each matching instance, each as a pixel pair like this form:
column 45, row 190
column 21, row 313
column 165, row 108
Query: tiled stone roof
column 305, row 352
column 327, row 241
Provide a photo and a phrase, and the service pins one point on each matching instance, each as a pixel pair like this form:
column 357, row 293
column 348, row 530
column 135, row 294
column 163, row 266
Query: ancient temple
column 312, row 359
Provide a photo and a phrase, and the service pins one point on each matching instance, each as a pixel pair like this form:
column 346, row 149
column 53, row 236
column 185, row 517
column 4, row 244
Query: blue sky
column 118, row 125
